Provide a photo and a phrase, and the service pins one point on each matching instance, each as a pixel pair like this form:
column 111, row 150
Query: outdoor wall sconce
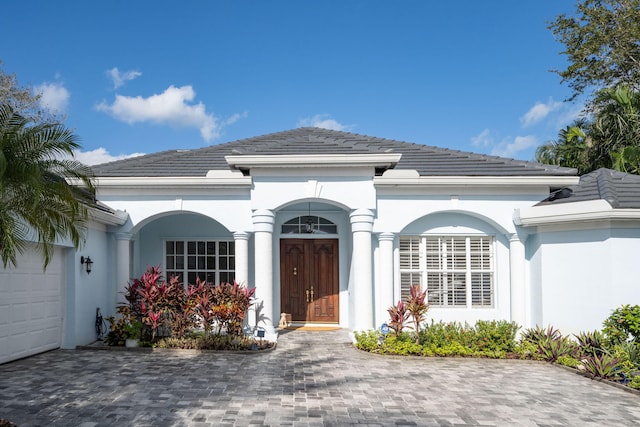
column 87, row 263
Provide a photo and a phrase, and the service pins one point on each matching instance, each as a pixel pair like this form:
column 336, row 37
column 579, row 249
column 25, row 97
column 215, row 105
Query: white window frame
column 460, row 278
column 213, row 266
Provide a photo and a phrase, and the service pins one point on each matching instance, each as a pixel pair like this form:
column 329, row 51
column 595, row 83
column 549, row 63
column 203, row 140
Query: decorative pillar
column 241, row 239
column 123, row 261
column 362, row 295
column 386, row 286
column 263, row 220
column 517, row 268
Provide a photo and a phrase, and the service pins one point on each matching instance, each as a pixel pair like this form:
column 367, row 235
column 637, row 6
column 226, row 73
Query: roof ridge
column 606, row 188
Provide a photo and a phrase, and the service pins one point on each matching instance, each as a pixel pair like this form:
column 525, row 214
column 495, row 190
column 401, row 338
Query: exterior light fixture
column 308, row 227
column 87, row 263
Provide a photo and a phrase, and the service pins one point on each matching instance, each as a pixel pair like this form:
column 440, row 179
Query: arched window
column 308, row 224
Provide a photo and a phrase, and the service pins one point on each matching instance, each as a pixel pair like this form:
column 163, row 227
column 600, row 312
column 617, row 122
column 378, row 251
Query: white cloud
column 100, row 155
column 539, row 111
column 508, row 148
column 170, row 107
column 483, row 139
column 323, row 121
column 235, row 117
column 53, row 96
column 120, row 78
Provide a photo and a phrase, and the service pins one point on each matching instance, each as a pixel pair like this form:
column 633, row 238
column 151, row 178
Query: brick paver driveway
column 312, row 378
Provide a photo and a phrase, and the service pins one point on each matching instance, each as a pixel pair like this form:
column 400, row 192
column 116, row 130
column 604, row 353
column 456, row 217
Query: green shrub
column 591, row 343
column 627, row 355
column 487, row 339
column 568, row 361
column 453, row 349
column 534, row 335
column 495, row 335
column 401, row 345
column 117, row 331
column 552, row 348
column 632, row 350
column 213, row 342
column 440, row 334
column 635, row 383
column 604, row 366
column 368, row 340
column 550, row 343
column 527, row 349
column 624, row 323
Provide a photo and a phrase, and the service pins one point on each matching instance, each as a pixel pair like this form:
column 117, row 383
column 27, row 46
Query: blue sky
column 145, row 76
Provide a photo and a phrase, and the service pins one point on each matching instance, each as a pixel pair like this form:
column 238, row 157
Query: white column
column 123, row 261
column 518, row 294
column 385, row 291
column 263, row 220
column 241, row 239
column 362, row 295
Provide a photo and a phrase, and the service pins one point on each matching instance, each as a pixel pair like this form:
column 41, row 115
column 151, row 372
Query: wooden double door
column 309, row 279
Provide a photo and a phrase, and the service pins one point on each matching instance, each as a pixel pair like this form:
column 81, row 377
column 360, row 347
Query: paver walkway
column 312, row 378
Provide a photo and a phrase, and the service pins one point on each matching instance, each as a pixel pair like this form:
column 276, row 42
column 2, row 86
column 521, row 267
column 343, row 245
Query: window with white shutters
column 457, row 271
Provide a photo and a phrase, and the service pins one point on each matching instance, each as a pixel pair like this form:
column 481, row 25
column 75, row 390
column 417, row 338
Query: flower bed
column 612, row 354
column 166, row 314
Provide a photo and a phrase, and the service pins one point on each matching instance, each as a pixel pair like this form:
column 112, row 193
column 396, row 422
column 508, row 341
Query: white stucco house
column 333, row 227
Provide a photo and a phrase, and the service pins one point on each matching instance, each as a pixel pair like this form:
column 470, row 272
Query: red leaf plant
column 417, row 308
column 398, row 314
column 166, row 307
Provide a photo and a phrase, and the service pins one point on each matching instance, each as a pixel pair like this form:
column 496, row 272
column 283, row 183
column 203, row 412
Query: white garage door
column 31, row 305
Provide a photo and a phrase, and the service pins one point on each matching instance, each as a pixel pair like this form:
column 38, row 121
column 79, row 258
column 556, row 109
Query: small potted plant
column 132, row 332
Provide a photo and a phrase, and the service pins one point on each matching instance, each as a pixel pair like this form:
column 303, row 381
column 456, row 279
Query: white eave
column 386, row 160
column 213, row 179
column 592, row 210
column 115, row 218
column 411, row 178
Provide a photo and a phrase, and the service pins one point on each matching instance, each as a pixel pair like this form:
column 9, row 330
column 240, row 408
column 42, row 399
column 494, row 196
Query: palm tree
column 627, row 159
column 610, row 140
column 570, row 150
column 37, row 200
column 616, row 126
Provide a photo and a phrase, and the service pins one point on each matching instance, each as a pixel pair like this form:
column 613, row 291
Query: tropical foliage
column 612, row 354
column 165, row 309
column 610, row 139
column 602, row 44
column 37, row 198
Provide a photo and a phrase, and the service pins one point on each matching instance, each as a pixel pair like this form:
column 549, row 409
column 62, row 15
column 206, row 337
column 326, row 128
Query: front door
column 309, row 279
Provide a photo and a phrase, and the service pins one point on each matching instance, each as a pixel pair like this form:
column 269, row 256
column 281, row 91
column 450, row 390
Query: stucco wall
column 86, row 292
column 584, row 275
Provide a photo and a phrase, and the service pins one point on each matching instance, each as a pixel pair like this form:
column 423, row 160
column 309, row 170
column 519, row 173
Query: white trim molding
column 321, row 160
column 212, row 180
column 592, row 210
column 411, row 178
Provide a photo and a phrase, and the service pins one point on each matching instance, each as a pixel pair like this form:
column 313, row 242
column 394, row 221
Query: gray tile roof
column 621, row 190
column 427, row 160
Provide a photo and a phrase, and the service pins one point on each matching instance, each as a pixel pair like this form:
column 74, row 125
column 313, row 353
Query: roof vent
column 562, row 193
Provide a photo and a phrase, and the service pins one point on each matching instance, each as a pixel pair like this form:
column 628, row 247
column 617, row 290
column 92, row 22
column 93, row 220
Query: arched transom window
column 307, row 224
